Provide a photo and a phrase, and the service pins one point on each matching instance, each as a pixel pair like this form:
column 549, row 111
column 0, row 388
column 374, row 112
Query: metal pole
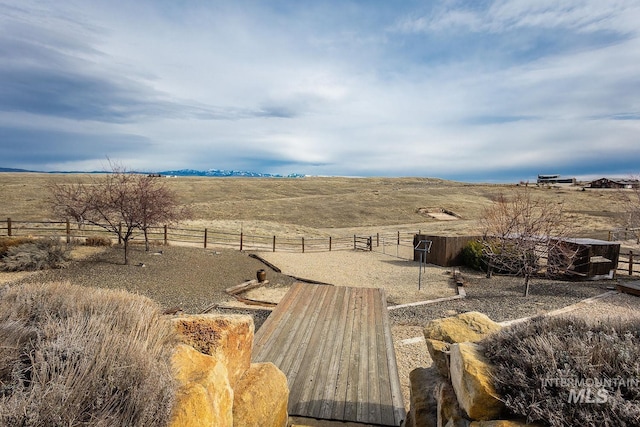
column 420, row 272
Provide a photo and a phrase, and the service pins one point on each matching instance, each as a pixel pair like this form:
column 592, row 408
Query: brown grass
column 73, row 356
column 321, row 206
column 539, row 364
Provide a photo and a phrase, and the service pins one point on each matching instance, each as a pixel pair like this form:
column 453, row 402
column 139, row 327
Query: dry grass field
column 317, row 206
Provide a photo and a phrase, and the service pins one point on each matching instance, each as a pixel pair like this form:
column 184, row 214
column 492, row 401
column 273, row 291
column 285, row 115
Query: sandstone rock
column 439, row 352
column 204, row 396
column 502, row 423
column 229, row 338
column 422, row 403
column 471, row 380
column 261, row 397
column 472, row 326
column 448, row 410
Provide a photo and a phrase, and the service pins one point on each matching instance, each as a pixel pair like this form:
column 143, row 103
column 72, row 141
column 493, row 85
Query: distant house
column 614, row 183
column 554, row 179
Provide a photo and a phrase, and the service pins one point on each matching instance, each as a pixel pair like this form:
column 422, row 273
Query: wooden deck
column 334, row 345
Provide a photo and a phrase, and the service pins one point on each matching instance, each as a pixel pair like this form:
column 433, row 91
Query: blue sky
column 467, row 90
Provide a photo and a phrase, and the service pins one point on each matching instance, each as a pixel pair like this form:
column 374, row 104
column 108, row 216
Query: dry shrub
column 97, row 241
column 75, row 356
column 542, row 367
column 8, row 242
column 35, row 254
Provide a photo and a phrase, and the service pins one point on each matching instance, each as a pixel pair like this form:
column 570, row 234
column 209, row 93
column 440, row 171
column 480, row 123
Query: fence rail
column 205, row 237
column 629, row 263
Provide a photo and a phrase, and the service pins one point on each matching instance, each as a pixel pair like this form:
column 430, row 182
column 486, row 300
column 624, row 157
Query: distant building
column 554, row 179
column 614, row 183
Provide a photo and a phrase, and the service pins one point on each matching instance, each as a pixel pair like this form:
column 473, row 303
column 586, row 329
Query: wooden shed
column 446, row 251
column 594, row 259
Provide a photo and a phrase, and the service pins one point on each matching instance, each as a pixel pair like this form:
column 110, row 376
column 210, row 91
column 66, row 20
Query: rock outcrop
column 464, row 396
column 218, row 385
column 261, row 397
column 204, row 396
column 471, row 381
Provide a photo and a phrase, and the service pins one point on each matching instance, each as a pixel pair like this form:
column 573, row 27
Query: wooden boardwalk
column 334, row 345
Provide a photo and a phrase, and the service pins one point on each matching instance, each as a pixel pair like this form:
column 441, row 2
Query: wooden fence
column 205, row 237
column 629, row 263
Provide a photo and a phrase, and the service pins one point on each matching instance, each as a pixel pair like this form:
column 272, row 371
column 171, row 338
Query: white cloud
column 456, row 88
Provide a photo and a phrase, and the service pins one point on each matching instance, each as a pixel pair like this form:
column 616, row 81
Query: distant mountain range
column 184, row 172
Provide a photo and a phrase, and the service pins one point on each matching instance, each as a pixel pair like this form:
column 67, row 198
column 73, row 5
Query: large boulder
column 471, row 380
column 204, row 396
column 422, row 402
column 448, row 409
column 228, row 338
column 439, row 352
column 261, row 397
column 471, row 326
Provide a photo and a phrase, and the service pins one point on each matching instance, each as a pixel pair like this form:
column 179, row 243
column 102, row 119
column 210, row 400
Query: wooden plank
column 345, row 364
column 328, row 399
column 631, row 288
column 320, row 345
column 332, row 343
column 387, row 415
column 362, row 395
column 399, row 412
column 327, row 356
column 263, row 342
column 351, row 396
column 375, row 380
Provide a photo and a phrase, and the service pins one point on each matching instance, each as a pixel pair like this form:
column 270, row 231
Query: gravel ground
column 189, row 278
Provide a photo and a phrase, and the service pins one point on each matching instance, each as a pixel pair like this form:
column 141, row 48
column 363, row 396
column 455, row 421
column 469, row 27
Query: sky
column 478, row 91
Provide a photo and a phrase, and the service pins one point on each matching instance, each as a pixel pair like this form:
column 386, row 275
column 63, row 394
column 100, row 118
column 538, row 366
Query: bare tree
column 631, row 202
column 158, row 204
column 119, row 202
column 523, row 236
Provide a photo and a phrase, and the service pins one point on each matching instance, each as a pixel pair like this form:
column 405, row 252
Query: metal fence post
column 303, row 245
column 205, row 238
column 241, row 236
column 630, row 263
column 166, row 235
column 274, row 243
column 329, row 243
column 9, row 227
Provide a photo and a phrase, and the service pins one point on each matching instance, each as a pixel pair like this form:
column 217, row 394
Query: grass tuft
column 32, row 255
column 75, row 356
column 97, row 241
column 566, row 371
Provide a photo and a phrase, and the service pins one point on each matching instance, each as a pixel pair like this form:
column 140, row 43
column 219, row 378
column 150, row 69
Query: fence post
column 241, row 236
column 9, row 227
column 166, row 234
column 68, row 231
column 354, row 242
column 370, row 243
column 329, row 243
column 630, row 263
column 205, row 238
column 303, row 245
column 609, row 235
column 377, row 240
column 274, row 243
column 398, row 237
